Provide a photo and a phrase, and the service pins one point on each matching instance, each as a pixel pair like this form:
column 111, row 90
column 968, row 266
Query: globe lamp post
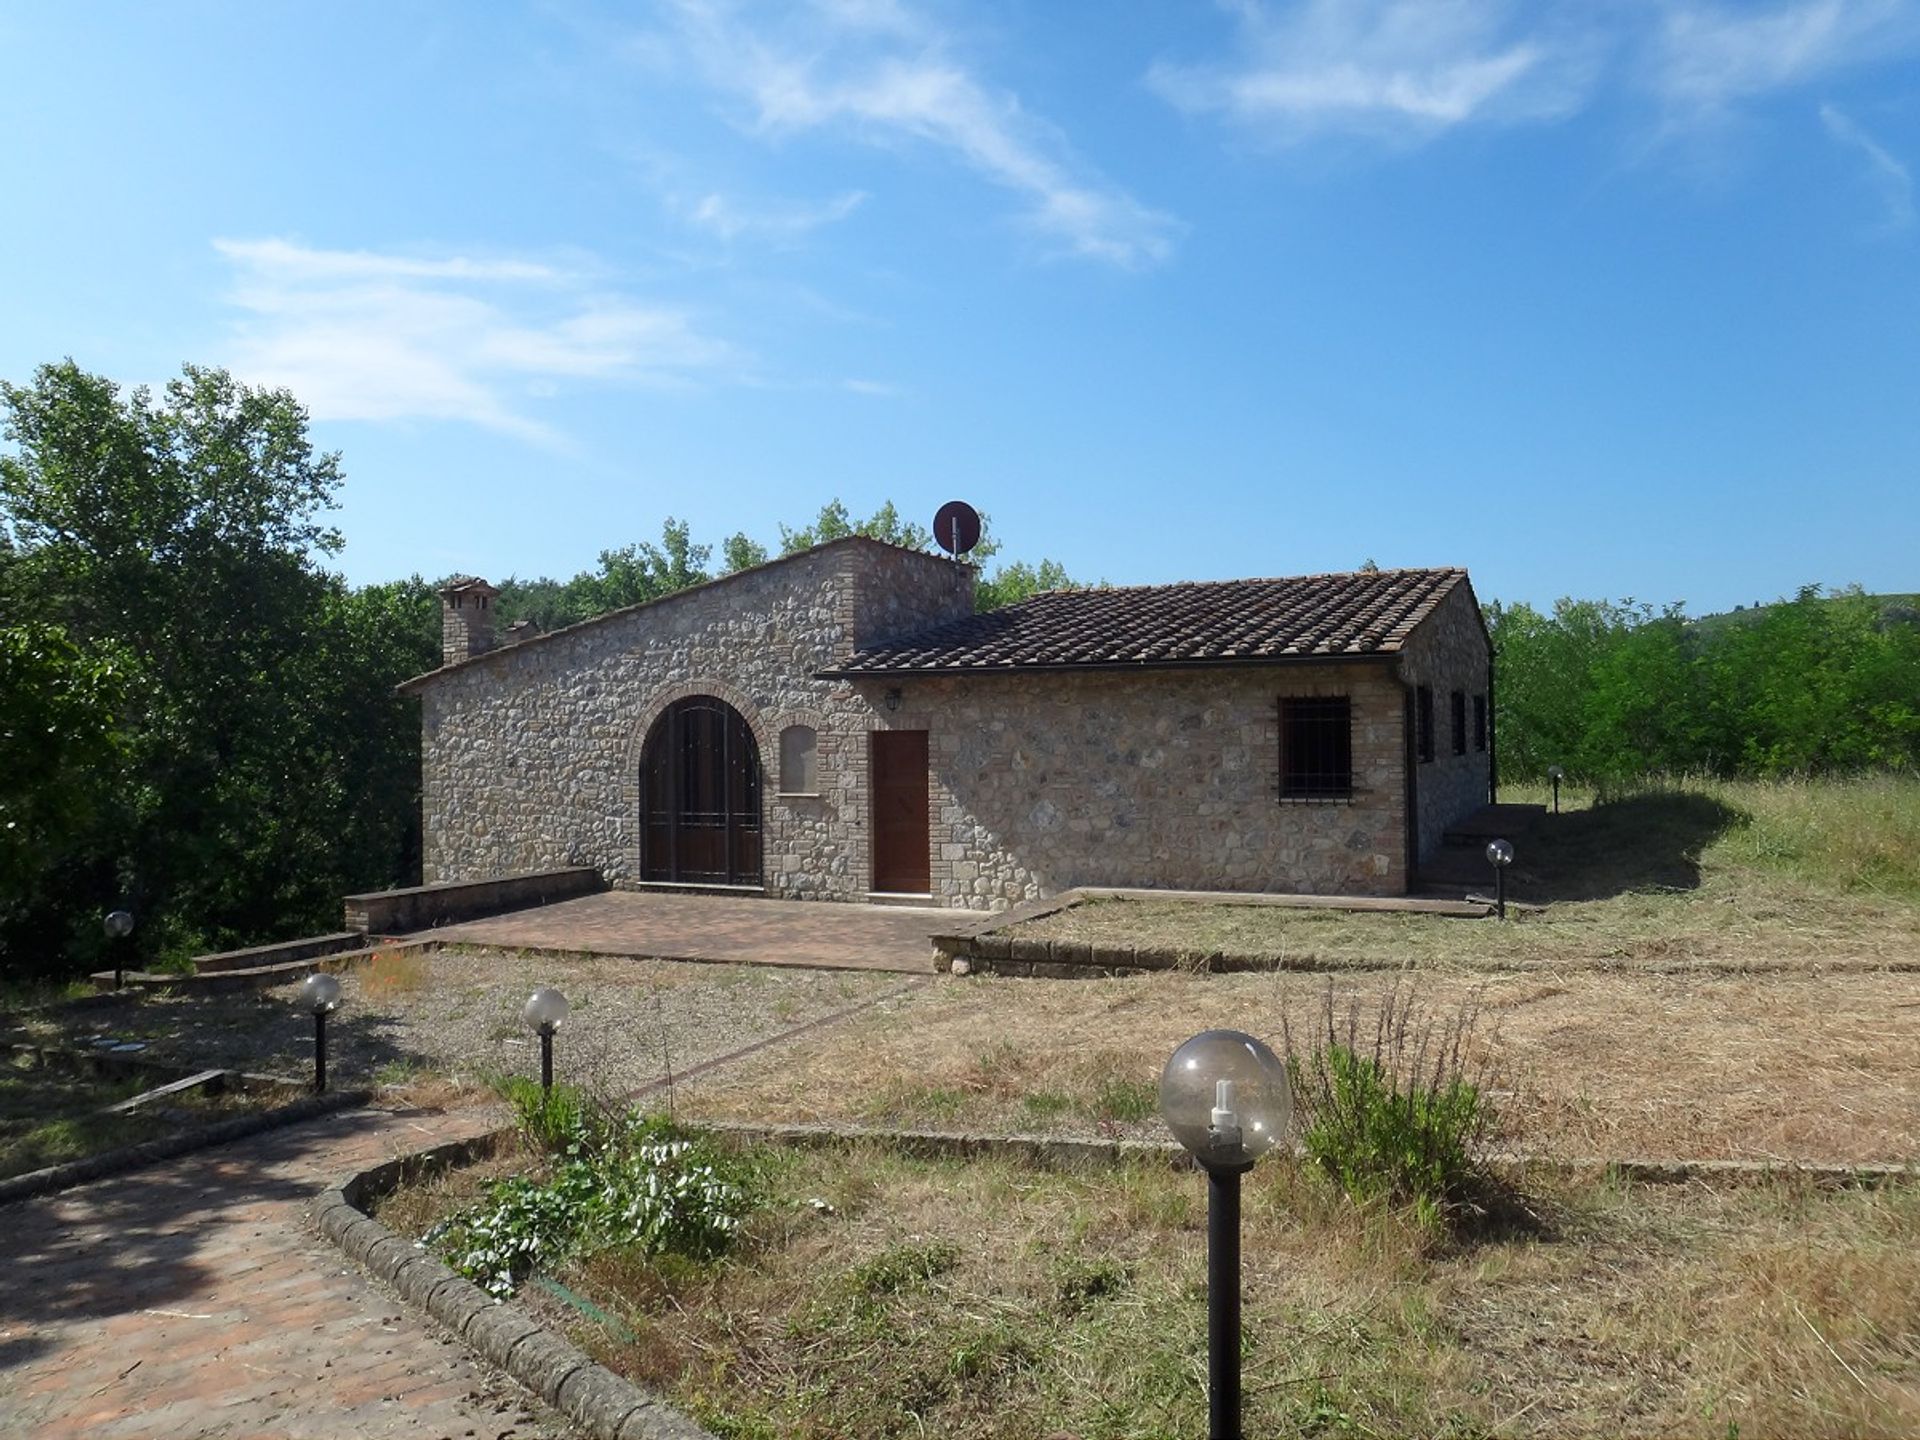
column 1225, row 1096
column 546, row 1012
column 1556, row 775
column 119, row 925
column 1500, row 855
column 322, row 994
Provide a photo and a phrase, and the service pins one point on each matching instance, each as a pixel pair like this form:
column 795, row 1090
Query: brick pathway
column 719, row 927
column 194, row 1299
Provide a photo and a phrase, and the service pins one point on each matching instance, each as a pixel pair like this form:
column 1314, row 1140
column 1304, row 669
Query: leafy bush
column 1394, row 1108
column 644, row 1186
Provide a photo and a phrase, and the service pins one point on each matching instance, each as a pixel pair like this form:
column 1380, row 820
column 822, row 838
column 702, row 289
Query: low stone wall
column 985, row 946
column 604, row 1405
column 400, row 912
column 262, row 955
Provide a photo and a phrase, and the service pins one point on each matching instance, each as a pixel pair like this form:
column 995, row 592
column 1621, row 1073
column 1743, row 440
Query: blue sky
column 1601, row 297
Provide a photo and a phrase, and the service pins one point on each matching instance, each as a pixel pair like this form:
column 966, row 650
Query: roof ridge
column 1106, row 588
column 1330, row 615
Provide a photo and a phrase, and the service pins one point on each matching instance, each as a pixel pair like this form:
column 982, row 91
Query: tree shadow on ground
column 157, row 1237
column 1650, row 841
column 253, row 1031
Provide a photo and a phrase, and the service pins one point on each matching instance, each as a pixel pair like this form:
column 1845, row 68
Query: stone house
column 840, row 724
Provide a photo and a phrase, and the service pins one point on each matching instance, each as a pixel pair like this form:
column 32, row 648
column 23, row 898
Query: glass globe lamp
column 546, row 1010
column 1226, row 1098
column 1499, row 853
column 119, row 925
column 321, row 992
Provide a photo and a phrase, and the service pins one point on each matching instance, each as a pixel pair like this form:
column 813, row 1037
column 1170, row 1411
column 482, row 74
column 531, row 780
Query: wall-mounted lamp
column 893, row 698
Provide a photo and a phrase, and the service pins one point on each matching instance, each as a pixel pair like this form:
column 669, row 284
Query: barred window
column 1424, row 701
column 1459, row 722
column 1480, row 722
column 1316, row 748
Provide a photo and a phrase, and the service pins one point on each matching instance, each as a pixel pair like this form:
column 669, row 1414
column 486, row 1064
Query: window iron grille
column 1316, row 748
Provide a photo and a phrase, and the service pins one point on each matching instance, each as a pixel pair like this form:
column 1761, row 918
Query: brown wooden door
column 899, row 780
column 700, row 797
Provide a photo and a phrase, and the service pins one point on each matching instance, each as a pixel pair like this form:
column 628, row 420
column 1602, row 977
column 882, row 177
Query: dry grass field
column 1732, row 989
column 1788, row 1068
column 1740, row 981
column 876, row 1295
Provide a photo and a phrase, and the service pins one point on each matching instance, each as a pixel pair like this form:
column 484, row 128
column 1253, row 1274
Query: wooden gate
column 700, row 796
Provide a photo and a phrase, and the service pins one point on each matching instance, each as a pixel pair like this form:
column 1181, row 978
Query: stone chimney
column 466, row 619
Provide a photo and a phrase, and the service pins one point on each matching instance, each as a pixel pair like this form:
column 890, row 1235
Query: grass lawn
column 880, row 1295
column 50, row 1114
column 1724, row 875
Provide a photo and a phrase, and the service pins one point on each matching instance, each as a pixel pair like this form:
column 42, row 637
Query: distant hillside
column 1894, row 609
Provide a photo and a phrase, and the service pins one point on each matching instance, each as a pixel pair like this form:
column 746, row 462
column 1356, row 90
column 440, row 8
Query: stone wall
column 1449, row 652
column 1165, row 779
column 421, row 907
column 1040, row 782
column 531, row 755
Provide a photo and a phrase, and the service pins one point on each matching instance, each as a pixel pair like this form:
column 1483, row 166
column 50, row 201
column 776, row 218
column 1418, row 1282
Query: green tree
column 177, row 540
column 1018, row 581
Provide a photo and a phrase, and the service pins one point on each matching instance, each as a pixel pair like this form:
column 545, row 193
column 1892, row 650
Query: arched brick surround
column 651, row 710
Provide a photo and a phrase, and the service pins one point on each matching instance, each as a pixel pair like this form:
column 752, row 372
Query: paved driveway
column 820, row 934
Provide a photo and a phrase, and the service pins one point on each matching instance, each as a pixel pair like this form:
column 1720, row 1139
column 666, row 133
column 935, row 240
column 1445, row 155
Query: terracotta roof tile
column 1204, row 622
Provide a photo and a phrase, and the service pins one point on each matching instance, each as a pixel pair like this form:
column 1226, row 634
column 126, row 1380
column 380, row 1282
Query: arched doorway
column 700, row 796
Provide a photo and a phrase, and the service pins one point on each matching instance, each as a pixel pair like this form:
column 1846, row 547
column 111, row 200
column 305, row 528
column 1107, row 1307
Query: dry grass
column 415, row 1207
column 394, row 973
column 1729, row 923
column 994, row 1298
column 1709, row 875
column 408, row 1016
column 1788, row 1067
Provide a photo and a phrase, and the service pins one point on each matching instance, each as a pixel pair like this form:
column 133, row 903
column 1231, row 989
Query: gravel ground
column 410, row 1016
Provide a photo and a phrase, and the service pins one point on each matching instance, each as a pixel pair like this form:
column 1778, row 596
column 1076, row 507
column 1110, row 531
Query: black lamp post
column 546, row 1011
column 1500, row 855
column 1225, row 1097
column 119, row 925
column 322, row 994
column 1556, row 775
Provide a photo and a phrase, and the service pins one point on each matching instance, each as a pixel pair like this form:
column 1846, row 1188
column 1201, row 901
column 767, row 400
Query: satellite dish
column 956, row 529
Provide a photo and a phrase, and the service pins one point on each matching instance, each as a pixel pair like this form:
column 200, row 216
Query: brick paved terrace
column 753, row 931
column 193, row 1299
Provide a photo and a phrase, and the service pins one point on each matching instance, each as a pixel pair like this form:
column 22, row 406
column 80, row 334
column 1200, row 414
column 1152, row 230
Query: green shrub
column 1394, row 1108
column 559, row 1121
column 642, row 1186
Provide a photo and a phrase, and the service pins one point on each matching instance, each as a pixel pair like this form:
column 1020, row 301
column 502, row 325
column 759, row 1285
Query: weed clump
column 1395, row 1107
column 637, row 1183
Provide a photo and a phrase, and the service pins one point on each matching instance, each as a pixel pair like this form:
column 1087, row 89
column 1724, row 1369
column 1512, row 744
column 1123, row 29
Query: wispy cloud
column 731, row 220
column 1889, row 178
column 366, row 335
column 1708, row 56
column 1392, row 68
column 881, row 72
column 1412, row 69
